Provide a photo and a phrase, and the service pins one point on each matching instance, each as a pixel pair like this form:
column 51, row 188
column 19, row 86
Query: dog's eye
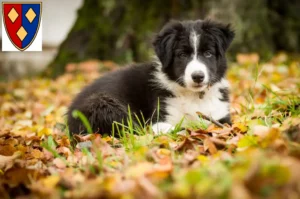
column 207, row 54
column 182, row 55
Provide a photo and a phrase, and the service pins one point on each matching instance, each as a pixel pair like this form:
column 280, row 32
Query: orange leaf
column 209, row 145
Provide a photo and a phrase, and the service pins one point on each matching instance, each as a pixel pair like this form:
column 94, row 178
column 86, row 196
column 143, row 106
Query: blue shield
column 31, row 27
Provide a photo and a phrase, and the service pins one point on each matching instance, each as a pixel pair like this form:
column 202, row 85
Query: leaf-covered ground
column 257, row 157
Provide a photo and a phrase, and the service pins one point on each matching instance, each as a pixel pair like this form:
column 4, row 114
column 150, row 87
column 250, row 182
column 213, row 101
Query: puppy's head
column 192, row 53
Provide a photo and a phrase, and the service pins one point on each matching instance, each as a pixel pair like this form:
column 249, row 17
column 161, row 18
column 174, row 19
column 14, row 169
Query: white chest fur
column 186, row 104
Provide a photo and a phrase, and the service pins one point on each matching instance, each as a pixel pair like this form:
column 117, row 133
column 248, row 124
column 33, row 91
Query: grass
column 201, row 124
column 77, row 114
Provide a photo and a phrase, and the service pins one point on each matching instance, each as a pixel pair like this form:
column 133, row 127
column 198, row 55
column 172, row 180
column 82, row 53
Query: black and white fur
column 189, row 76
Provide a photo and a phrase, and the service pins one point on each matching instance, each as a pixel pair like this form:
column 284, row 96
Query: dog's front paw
column 162, row 128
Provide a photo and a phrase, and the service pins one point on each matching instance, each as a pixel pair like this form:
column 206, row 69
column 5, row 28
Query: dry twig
column 211, row 120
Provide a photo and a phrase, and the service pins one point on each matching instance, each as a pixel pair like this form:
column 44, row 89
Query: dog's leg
column 226, row 120
column 162, row 128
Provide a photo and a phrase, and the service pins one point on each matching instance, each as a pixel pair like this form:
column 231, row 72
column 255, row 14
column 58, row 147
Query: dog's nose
column 198, row 76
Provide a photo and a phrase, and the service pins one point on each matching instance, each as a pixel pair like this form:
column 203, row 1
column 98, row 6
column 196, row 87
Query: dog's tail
column 101, row 110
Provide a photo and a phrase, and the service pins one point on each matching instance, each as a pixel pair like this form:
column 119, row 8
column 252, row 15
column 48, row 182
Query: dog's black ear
column 228, row 35
column 164, row 42
column 221, row 32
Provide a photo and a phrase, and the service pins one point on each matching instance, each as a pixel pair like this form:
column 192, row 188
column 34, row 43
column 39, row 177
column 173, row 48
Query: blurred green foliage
column 122, row 30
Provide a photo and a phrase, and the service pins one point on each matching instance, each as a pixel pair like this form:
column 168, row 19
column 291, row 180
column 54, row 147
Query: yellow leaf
column 270, row 137
column 107, row 139
column 241, row 127
column 50, row 181
column 164, row 152
column 44, row 131
column 37, row 154
column 202, row 158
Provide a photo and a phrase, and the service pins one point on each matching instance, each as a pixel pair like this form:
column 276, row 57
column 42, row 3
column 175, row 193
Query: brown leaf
column 88, row 137
column 7, row 162
column 37, row 154
column 59, row 163
column 4, row 132
column 48, row 155
column 17, row 175
column 218, row 142
column 7, row 150
column 199, row 135
column 64, row 150
column 187, row 143
column 209, row 145
column 222, row 132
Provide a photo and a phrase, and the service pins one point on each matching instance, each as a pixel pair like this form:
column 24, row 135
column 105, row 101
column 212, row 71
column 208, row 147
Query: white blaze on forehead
column 194, row 39
column 195, row 65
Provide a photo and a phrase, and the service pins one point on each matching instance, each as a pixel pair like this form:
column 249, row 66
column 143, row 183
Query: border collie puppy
column 188, row 77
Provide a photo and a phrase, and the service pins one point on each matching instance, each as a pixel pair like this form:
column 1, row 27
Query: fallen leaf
column 240, row 127
column 50, row 181
column 7, row 162
column 209, row 145
column 59, row 163
column 260, row 130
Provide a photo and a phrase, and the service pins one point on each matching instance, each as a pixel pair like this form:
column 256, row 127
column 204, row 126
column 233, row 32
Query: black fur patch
column 225, row 94
column 101, row 110
column 226, row 120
